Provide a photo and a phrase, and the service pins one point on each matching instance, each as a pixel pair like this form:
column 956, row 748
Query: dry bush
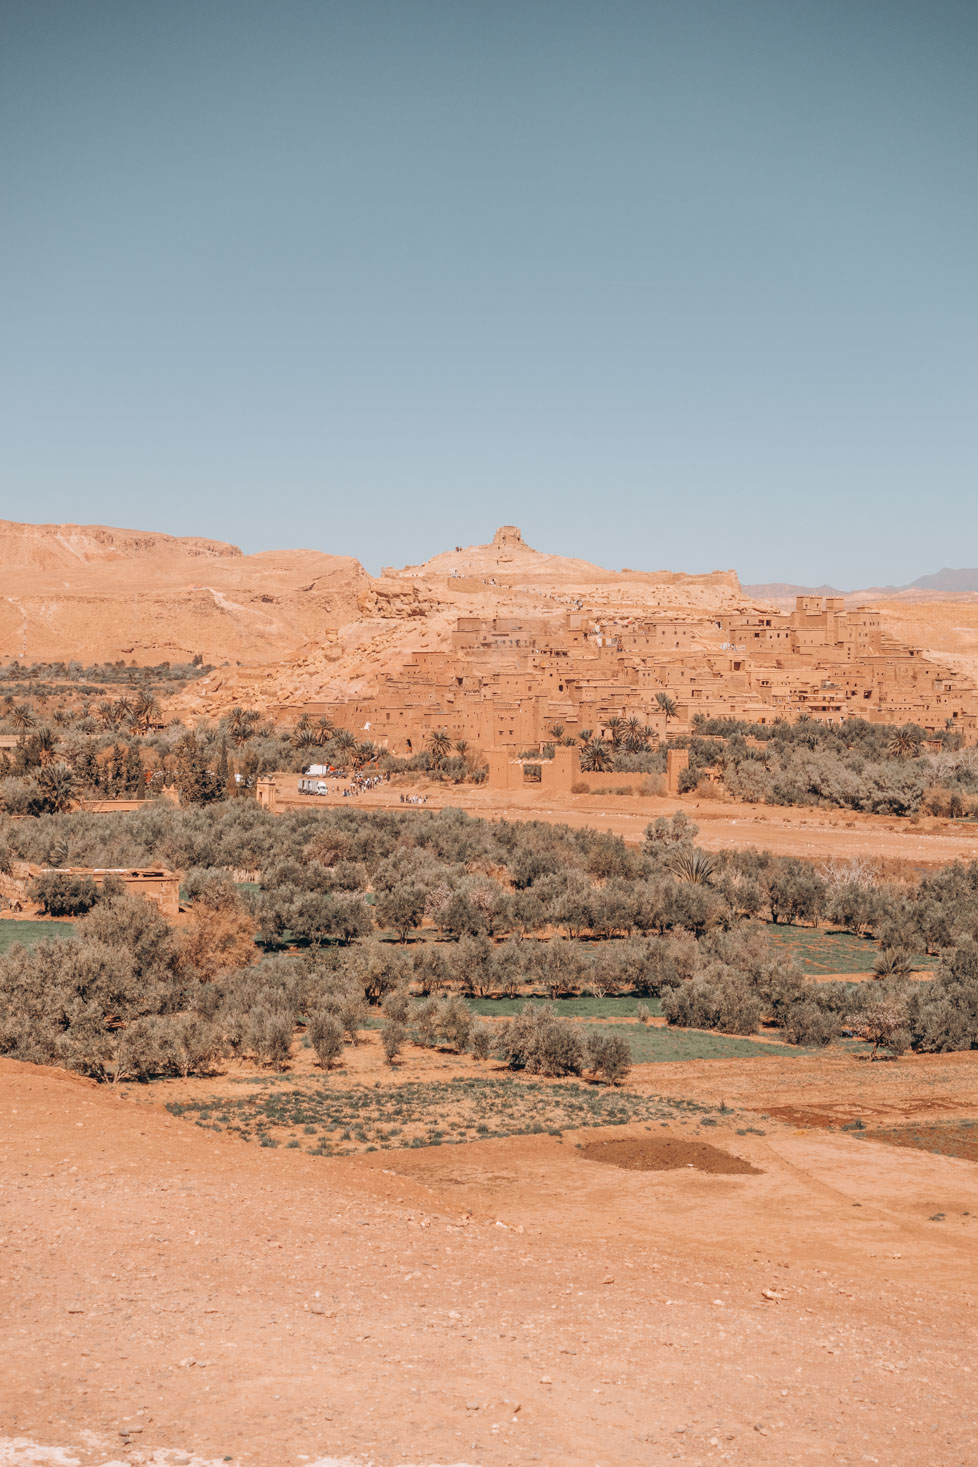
column 538, row 1042
column 480, row 1041
column 608, row 1056
column 268, row 1035
column 426, row 1016
column 218, row 941
column 326, row 1037
column 455, row 1023
column 392, row 1037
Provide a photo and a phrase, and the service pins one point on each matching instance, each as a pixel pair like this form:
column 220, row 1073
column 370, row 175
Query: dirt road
column 812, row 833
column 173, row 1295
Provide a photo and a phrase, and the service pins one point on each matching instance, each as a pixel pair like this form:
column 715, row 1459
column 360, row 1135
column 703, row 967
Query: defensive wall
column 563, row 772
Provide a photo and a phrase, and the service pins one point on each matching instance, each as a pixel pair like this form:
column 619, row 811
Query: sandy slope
column 94, row 593
column 945, row 626
column 271, row 1307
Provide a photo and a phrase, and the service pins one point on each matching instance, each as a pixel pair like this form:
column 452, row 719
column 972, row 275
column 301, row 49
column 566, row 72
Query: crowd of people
column 414, row 799
column 363, row 782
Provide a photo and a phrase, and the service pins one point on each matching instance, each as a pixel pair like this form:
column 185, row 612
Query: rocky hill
column 94, row 593
column 415, row 609
column 298, row 621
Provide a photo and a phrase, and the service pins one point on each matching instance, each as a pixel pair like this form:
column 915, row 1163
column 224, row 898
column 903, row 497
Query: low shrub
column 608, row 1056
column 61, row 894
column 326, row 1037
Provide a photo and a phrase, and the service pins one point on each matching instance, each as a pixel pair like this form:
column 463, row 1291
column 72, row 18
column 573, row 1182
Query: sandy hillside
column 93, row 593
column 779, row 1296
column 945, row 626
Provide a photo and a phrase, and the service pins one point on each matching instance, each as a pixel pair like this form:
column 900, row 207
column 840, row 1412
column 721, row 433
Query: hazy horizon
column 676, row 287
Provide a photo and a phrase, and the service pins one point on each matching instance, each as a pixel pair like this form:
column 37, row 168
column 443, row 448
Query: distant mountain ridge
column 946, row 580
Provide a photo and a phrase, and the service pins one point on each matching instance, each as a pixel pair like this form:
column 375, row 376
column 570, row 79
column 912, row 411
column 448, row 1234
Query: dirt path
column 499, row 1303
column 815, row 834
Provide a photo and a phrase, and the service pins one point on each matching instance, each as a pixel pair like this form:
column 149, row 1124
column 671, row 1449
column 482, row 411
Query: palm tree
column 634, row 741
column 362, row 754
column 145, row 711
column 325, row 731
column 462, row 747
column 668, row 705
column 903, row 744
column 57, row 785
column 22, row 717
column 586, row 735
column 240, row 722
column 595, row 757
column 439, row 743
column 557, row 731
column 614, row 728
column 690, row 864
column 43, row 743
column 345, row 742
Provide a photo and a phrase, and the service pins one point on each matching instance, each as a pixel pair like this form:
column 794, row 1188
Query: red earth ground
column 810, row 832
column 173, row 1295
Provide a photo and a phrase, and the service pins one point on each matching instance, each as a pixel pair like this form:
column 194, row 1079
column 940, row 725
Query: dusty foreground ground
column 816, row 834
column 172, row 1295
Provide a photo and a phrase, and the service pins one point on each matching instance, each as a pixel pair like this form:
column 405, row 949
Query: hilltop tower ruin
column 508, row 537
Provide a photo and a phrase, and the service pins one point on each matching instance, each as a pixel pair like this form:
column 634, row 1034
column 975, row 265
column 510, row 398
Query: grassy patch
column 654, row 1045
column 332, row 1122
column 831, row 952
column 616, row 1007
column 30, row 933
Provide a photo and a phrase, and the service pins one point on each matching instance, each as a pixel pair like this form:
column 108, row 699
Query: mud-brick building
column 155, row 884
column 504, row 682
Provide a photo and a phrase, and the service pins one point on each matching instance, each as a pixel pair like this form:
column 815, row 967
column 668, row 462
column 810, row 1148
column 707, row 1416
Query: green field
column 29, row 933
column 821, row 952
column 568, row 1008
column 658, row 1046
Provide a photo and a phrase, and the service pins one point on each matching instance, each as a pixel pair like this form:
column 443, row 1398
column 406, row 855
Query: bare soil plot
column 667, row 1154
column 814, row 833
column 947, row 1138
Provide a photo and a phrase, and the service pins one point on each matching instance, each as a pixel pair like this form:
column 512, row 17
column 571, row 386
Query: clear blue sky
column 673, row 283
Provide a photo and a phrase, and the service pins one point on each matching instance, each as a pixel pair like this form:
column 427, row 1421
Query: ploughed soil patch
column 666, row 1154
column 946, row 1138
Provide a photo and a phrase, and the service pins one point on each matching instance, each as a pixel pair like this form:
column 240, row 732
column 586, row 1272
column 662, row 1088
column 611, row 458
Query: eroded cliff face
column 46, row 548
